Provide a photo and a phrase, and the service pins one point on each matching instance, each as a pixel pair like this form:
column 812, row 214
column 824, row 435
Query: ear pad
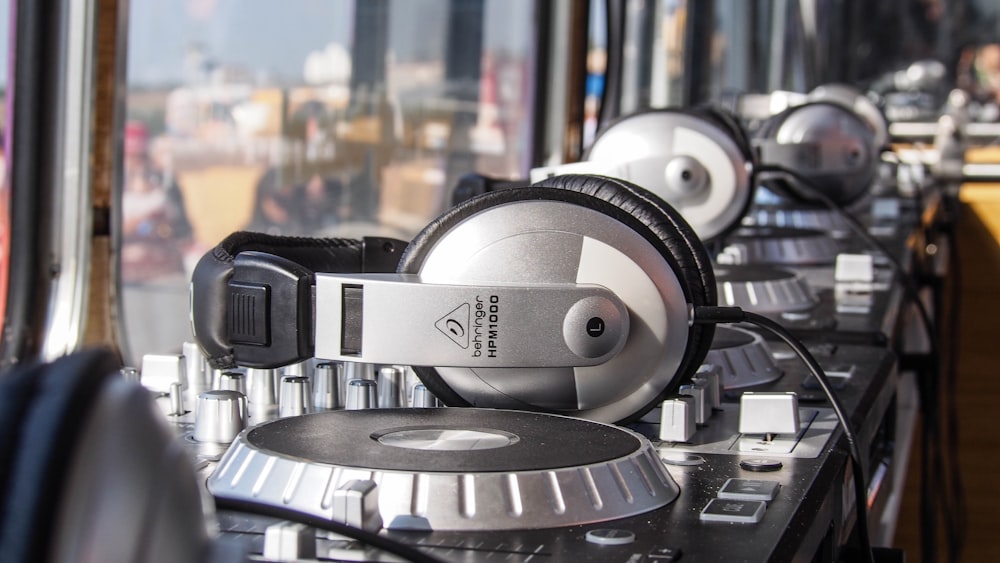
column 576, row 229
column 53, row 402
column 694, row 159
column 827, row 144
column 729, row 122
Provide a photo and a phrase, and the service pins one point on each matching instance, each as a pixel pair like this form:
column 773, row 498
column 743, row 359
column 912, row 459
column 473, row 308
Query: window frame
column 50, row 141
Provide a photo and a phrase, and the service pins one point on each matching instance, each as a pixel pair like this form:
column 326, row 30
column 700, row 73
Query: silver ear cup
column 844, row 164
column 552, row 241
column 856, row 101
column 687, row 161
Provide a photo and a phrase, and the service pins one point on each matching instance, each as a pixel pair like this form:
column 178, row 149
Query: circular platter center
column 445, row 439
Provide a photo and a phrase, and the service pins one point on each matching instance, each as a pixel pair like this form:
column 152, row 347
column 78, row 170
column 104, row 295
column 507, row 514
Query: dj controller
column 468, row 484
column 581, row 406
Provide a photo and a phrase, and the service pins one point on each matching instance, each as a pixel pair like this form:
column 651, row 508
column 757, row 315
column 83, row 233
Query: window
column 734, row 55
column 651, row 66
column 306, row 117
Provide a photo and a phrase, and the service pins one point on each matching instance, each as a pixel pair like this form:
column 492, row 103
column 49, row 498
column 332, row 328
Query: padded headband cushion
column 635, row 207
column 54, row 415
column 316, row 254
column 214, row 270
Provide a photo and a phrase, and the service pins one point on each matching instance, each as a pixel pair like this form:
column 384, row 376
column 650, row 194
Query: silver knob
column 232, row 381
column 358, row 370
column 423, row 398
column 276, row 380
column 177, row 399
column 361, row 394
column 221, row 416
column 262, row 387
column 196, row 367
column 711, row 375
column 216, row 378
column 327, row 389
column 342, row 380
column 295, row 396
column 391, row 388
column 301, row 368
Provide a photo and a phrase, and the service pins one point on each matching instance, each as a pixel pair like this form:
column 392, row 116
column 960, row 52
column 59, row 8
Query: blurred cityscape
column 306, row 117
column 259, row 115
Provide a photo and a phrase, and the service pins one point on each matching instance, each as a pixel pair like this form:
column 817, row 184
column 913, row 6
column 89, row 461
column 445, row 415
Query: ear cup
column 663, row 225
column 730, row 123
column 841, row 163
column 555, row 215
column 56, row 401
column 698, row 160
column 858, row 102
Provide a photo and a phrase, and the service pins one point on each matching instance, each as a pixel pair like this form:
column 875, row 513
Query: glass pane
column 653, row 71
column 652, row 58
column 795, row 78
column 597, row 61
column 734, row 52
column 307, row 117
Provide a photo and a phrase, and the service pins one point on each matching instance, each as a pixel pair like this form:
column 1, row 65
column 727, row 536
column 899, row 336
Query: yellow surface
column 984, row 200
column 983, row 155
column 219, row 199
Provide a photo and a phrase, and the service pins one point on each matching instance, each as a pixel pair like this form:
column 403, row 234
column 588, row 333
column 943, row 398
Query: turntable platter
column 799, row 217
column 783, row 245
column 763, row 289
column 743, row 358
column 450, row 469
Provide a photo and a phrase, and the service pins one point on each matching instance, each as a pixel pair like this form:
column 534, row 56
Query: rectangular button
column 733, row 511
column 352, row 329
column 749, row 489
column 249, row 314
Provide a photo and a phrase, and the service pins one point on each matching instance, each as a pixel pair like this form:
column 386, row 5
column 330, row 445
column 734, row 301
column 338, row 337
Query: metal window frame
column 50, row 197
column 562, row 45
column 697, row 53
